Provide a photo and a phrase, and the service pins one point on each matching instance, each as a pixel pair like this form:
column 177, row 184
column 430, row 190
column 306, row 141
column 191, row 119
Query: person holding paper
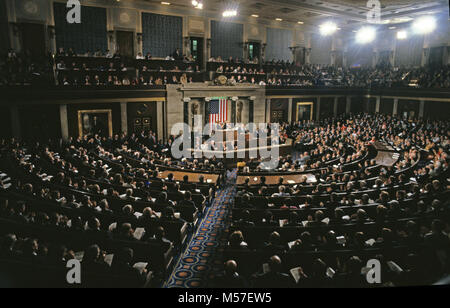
column 149, row 221
column 274, row 274
column 274, row 246
column 122, row 267
column 229, row 277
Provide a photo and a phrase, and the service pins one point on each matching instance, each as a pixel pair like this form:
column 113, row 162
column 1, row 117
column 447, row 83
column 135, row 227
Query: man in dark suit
column 160, row 239
column 177, row 54
column 122, row 266
column 275, row 274
column 187, row 207
column 229, row 278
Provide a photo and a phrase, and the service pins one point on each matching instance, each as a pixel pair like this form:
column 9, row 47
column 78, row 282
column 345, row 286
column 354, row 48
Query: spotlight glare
column 230, row 13
column 401, row 35
column 365, row 35
column 423, row 25
column 327, row 28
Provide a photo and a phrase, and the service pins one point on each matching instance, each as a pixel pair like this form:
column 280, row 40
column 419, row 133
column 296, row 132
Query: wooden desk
column 289, row 179
column 193, row 177
column 232, row 157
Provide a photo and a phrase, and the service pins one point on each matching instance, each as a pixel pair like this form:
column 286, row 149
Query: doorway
column 339, row 59
column 197, row 50
column 33, row 39
column 300, row 55
column 125, row 43
column 436, row 56
column 254, row 51
column 304, row 111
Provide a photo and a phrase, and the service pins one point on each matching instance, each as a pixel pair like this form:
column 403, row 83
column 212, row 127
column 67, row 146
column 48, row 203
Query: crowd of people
column 26, row 69
column 97, row 192
column 121, row 75
column 332, row 76
column 23, row 69
column 103, row 196
column 321, row 233
column 98, row 69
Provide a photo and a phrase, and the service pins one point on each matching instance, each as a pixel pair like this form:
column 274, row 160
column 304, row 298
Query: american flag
column 218, row 111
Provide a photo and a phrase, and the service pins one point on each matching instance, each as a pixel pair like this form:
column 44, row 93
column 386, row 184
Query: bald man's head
column 230, row 266
column 275, row 263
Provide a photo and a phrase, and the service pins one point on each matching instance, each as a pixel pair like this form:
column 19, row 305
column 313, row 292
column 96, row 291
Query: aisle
column 199, row 259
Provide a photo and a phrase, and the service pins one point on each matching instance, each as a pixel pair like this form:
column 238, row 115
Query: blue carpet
column 200, row 260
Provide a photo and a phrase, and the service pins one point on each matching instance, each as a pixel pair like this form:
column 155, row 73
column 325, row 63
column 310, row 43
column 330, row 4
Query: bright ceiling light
column 278, row 19
column 300, row 22
column 365, row 35
column 230, row 13
column 165, row 3
column 401, row 35
column 327, row 28
column 423, row 25
column 197, row 4
column 254, row 15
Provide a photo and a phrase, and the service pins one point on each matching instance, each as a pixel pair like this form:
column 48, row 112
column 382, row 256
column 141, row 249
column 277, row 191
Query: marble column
column 268, row 110
column 64, row 122
column 395, row 107
column 124, row 117
column 421, row 108
column 290, row 111
column 318, row 109
column 160, row 119
column 348, row 104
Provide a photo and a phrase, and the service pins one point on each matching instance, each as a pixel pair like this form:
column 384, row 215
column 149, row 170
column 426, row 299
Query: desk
column 193, row 177
column 232, row 157
column 289, row 179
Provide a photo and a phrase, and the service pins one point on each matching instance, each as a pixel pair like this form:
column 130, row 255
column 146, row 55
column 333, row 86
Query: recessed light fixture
column 327, row 28
column 278, row 19
column 365, row 35
column 254, row 15
column 423, row 25
column 401, row 35
column 165, row 3
column 197, row 4
column 300, row 22
column 230, row 13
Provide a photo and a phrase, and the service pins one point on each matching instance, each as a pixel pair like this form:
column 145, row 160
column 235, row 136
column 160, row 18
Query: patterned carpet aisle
column 198, row 261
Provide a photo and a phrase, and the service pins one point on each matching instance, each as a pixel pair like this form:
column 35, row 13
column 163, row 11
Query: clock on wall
column 31, row 7
column 124, row 18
